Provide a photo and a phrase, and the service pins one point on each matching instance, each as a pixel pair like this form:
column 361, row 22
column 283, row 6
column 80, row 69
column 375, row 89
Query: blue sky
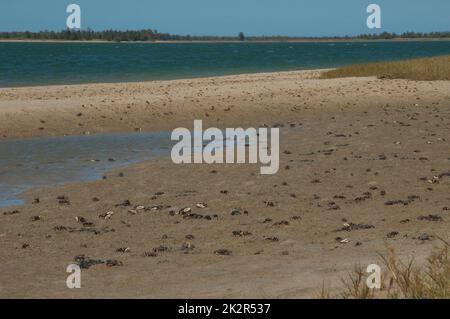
column 228, row 17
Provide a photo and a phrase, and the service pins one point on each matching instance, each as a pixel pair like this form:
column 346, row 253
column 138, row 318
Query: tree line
column 154, row 35
column 405, row 35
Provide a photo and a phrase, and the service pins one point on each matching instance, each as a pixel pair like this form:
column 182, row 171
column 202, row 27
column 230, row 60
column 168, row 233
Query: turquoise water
column 25, row 64
column 37, row 162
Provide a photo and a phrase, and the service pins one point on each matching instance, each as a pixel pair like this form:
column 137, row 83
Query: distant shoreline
column 325, row 40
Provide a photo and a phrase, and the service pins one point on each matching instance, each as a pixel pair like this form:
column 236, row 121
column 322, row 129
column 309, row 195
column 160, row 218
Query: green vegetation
column 154, row 35
column 402, row 280
column 424, row 69
column 89, row 35
column 404, row 35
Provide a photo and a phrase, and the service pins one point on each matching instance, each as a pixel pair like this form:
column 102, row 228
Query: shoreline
column 330, row 40
column 315, row 71
column 161, row 105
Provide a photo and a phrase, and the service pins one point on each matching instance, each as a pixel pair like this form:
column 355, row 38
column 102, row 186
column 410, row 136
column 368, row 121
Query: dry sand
column 357, row 150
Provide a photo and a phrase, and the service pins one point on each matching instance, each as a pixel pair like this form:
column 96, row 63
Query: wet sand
column 372, row 154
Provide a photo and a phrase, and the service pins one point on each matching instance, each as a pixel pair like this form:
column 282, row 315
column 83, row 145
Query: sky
column 229, row 17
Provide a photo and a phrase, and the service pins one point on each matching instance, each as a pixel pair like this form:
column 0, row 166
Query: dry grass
column 401, row 280
column 426, row 69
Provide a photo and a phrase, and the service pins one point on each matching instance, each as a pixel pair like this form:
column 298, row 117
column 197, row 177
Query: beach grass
column 401, row 280
column 423, row 69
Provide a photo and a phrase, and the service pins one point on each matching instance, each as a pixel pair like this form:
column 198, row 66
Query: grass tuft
column 401, row 280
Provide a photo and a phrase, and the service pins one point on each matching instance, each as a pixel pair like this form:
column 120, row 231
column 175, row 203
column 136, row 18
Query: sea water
column 26, row 64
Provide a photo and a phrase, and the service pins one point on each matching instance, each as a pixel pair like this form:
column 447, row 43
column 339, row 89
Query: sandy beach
column 370, row 153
